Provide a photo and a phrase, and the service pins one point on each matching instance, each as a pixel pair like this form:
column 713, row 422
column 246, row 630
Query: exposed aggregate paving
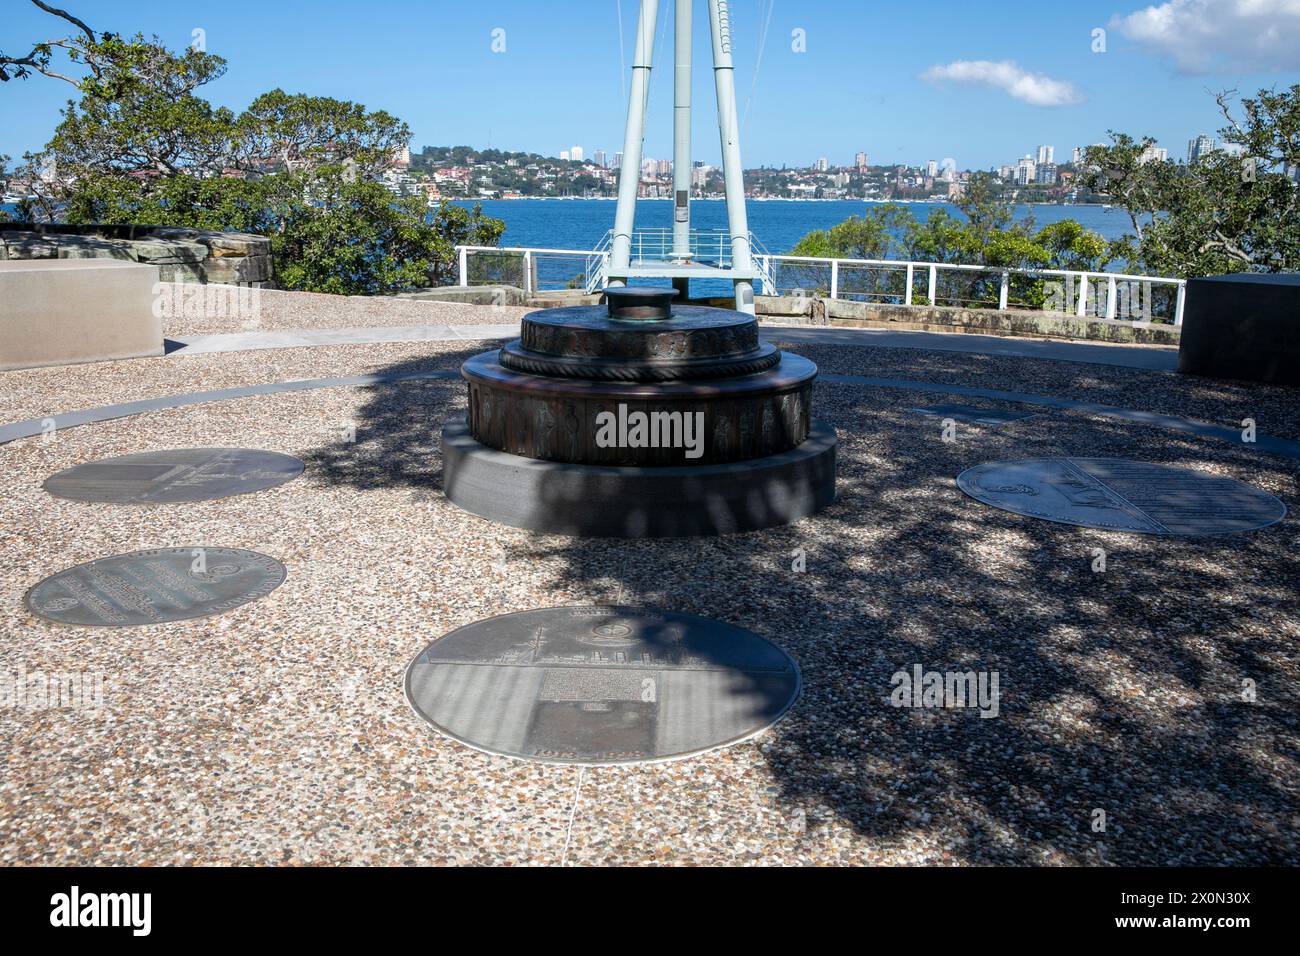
column 278, row 733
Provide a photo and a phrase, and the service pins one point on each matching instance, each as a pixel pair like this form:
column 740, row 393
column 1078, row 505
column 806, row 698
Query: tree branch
column 64, row 14
column 39, row 59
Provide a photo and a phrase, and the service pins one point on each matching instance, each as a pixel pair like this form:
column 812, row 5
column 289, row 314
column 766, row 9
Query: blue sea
column 778, row 223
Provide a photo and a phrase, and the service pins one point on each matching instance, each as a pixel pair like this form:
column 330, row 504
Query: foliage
column 984, row 234
column 356, row 239
column 873, row 236
column 1233, row 210
column 140, row 145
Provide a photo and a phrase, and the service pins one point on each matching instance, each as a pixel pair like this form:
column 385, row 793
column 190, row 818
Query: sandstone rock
column 238, row 269
column 167, row 250
column 181, row 253
column 180, row 272
column 29, row 245
column 91, row 247
column 224, row 244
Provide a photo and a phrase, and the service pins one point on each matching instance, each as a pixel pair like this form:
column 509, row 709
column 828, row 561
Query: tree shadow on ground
column 1123, row 691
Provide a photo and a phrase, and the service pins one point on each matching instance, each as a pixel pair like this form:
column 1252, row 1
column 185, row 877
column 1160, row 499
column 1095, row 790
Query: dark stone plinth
column 639, row 420
column 604, row 501
column 1244, row 326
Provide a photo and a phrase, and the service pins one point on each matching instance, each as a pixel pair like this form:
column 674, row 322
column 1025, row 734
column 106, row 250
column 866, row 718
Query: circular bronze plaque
column 1120, row 495
column 175, row 476
column 153, row 587
column 601, row 685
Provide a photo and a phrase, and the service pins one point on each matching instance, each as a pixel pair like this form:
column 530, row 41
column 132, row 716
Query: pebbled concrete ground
column 1162, row 691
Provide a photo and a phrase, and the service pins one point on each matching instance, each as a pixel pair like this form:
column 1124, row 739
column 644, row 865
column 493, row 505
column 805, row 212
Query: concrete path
column 310, row 338
column 1154, row 358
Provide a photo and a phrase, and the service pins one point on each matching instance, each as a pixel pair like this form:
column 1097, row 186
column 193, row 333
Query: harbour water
column 778, row 223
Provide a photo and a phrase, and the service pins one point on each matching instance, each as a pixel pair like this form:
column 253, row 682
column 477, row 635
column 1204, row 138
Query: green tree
column 1231, row 211
column 986, row 209
column 4, row 180
column 985, row 234
column 877, row 235
column 1068, row 245
column 140, row 145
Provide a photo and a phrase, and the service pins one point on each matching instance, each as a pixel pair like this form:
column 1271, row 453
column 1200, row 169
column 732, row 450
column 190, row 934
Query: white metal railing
column 1101, row 294
column 711, row 247
column 539, row 268
column 1065, row 291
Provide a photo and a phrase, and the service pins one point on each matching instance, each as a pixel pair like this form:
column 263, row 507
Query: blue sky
column 982, row 82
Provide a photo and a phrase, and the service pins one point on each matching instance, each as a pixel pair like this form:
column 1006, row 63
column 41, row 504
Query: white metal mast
column 679, row 266
column 629, row 174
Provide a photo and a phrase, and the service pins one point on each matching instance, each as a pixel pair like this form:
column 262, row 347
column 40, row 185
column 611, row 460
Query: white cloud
column 1202, row 35
column 1033, row 88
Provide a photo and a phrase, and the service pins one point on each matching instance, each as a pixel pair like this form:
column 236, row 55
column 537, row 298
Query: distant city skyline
column 982, row 84
column 1044, row 154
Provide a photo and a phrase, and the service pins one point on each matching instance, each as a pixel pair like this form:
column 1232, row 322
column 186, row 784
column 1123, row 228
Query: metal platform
column 653, row 257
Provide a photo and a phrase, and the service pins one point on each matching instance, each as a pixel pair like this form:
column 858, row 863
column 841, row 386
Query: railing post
column 528, row 272
column 835, row 278
column 1181, row 302
column 767, row 274
column 1081, row 301
column 934, row 282
column 464, row 265
column 604, row 270
column 911, row 273
column 1111, row 296
column 1005, row 292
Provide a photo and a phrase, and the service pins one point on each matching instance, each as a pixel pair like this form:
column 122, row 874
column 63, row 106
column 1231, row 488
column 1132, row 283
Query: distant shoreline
column 869, row 202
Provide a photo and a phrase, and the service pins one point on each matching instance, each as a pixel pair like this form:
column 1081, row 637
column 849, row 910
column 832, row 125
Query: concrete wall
column 181, row 255
column 64, row 311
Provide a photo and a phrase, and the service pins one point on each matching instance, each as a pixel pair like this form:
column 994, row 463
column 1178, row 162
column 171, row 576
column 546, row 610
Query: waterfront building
column 1200, row 147
column 1026, row 171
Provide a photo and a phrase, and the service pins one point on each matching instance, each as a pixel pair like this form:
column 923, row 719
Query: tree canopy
column 1231, row 210
column 140, row 144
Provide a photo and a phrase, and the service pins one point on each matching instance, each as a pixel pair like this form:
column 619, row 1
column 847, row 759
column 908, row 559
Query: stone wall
column 181, row 255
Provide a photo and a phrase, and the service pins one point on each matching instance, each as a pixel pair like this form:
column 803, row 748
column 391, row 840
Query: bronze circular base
column 515, row 357
column 655, row 424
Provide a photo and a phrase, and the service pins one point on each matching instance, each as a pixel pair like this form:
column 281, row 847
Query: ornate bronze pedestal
column 639, row 419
